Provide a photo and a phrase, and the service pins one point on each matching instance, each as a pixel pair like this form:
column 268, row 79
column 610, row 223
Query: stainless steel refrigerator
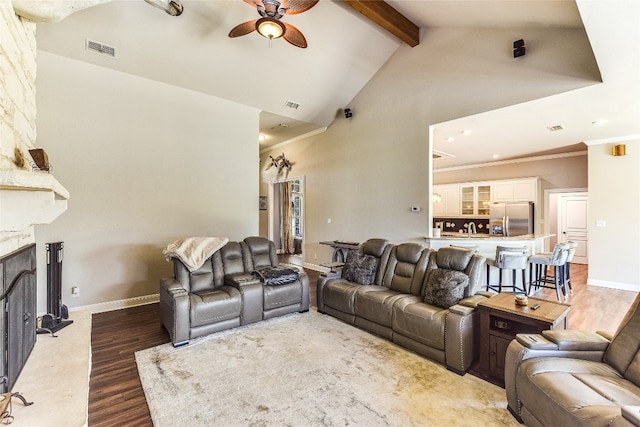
column 511, row 219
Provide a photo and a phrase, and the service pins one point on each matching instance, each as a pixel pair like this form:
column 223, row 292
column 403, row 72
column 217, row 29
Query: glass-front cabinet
column 475, row 199
column 483, row 199
column 467, row 198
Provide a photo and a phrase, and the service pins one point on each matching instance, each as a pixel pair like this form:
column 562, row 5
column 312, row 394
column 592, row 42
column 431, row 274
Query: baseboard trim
column 613, row 285
column 119, row 304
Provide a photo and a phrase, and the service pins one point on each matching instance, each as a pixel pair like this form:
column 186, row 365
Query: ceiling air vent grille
column 292, row 104
column 102, row 49
column 555, row 128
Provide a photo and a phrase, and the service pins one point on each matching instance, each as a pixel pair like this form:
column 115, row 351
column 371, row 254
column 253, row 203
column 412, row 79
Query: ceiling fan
column 270, row 25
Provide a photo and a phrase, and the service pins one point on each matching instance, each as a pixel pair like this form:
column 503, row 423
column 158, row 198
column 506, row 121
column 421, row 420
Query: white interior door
column 573, row 223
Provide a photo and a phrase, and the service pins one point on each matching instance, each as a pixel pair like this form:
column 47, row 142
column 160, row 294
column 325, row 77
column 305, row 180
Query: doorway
column 286, row 217
column 568, row 221
column 573, row 224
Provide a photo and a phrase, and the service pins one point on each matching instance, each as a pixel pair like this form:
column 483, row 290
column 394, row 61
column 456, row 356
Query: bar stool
column 541, row 262
column 567, row 265
column 509, row 258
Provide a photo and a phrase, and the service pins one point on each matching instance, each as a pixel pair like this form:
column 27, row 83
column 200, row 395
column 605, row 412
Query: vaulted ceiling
column 345, row 50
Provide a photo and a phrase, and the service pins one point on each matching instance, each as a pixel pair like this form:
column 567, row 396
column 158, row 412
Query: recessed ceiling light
column 555, row 128
column 496, row 156
column 599, row 122
column 261, row 137
column 466, row 132
column 451, row 139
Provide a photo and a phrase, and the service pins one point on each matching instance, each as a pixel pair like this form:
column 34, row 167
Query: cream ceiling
column 346, row 50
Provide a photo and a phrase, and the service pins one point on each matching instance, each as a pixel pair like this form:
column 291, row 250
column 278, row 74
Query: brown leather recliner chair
column 570, row 378
column 194, row 304
column 282, row 299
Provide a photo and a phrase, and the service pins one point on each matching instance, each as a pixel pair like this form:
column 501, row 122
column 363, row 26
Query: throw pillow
column 445, row 288
column 360, row 268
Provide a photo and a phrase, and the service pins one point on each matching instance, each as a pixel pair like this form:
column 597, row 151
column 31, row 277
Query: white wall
column 366, row 173
column 145, row 163
column 614, row 197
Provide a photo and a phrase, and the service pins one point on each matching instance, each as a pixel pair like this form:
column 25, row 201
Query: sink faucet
column 469, row 227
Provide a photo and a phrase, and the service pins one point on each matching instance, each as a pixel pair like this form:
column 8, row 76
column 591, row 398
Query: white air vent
column 555, row 128
column 292, row 104
column 102, row 49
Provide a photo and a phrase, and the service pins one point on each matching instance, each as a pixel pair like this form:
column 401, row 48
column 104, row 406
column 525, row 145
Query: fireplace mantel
column 29, row 198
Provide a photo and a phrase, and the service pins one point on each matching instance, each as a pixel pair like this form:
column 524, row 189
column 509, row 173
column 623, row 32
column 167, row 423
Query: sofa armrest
column 323, row 279
column 462, row 310
column 250, row 287
column 561, row 343
column 460, row 346
column 174, row 310
column 473, row 300
column 573, row 340
column 631, row 413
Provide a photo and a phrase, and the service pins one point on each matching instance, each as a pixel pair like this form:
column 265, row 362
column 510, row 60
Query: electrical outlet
column 75, row 291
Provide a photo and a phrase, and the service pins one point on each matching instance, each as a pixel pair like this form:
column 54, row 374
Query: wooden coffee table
column 501, row 319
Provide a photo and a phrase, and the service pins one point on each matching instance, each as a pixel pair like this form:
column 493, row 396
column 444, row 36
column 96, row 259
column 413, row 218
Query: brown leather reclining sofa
column 224, row 293
column 419, row 298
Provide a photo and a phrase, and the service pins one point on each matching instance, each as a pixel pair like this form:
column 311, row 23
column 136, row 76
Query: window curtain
column 287, row 218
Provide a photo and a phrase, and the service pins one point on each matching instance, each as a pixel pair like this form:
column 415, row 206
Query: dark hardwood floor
column 116, row 396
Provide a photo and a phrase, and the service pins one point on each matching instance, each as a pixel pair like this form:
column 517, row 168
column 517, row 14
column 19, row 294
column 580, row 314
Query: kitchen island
column 486, row 244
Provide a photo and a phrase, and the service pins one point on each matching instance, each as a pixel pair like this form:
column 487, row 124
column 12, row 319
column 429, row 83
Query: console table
column 501, row 319
column 340, row 249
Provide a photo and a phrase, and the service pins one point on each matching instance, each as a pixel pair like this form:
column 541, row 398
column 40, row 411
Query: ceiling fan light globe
column 270, row 28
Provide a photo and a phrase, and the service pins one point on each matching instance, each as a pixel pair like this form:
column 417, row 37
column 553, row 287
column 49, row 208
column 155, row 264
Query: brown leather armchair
column 198, row 303
column 569, row 377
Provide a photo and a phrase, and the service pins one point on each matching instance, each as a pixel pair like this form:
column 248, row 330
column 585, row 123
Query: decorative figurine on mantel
column 40, row 160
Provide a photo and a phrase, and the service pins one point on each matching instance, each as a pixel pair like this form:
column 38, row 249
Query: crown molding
column 514, row 161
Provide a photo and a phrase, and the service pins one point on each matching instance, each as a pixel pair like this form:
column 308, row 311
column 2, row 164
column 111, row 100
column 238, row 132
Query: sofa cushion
column 359, row 268
column 214, row 306
column 419, row 321
column 282, row 295
column 454, row 258
column 339, row 294
column 375, row 303
column 444, row 287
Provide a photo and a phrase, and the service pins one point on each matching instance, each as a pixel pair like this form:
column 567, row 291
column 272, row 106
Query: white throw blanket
column 194, row 251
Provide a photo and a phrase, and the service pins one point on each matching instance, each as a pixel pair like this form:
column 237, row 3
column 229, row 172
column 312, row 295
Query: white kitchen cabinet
column 517, row 190
column 475, row 199
column 450, row 204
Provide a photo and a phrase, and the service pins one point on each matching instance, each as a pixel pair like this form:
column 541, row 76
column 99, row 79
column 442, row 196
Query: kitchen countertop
column 483, row 237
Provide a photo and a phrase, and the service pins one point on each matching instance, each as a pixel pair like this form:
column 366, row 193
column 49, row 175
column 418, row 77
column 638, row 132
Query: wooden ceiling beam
column 388, row 18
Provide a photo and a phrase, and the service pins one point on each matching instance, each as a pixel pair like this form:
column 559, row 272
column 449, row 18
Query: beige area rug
column 310, row 370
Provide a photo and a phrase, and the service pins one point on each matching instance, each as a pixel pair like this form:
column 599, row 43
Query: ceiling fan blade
column 297, row 6
column 254, row 3
column 294, row 36
column 243, row 29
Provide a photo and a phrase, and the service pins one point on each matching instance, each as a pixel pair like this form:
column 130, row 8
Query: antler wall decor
column 280, row 162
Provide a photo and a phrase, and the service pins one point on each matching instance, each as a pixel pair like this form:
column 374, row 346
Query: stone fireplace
column 27, row 195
